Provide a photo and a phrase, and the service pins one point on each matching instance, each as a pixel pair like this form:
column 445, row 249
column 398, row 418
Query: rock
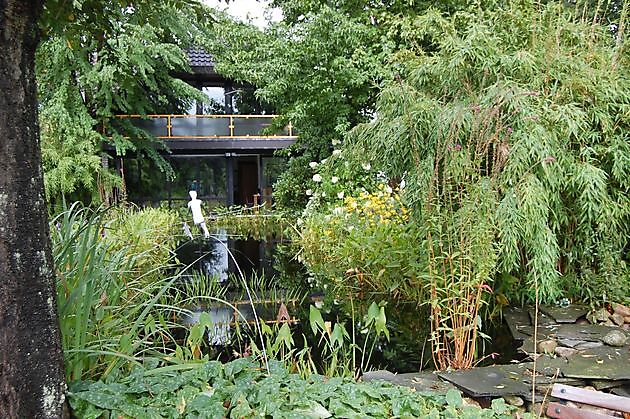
column 514, row 401
column 618, row 319
column 626, row 319
column 565, row 352
column 582, row 320
column 570, row 343
column 589, row 345
column 466, row 401
column 547, row 346
column 598, row 316
column 621, row 309
column 615, row 338
column 626, row 327
column 609, row 323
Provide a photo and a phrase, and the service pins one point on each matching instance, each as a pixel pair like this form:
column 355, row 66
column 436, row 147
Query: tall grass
column 109, row 313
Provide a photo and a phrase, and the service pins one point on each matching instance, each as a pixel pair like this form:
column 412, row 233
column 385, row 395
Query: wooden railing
column 172, row 127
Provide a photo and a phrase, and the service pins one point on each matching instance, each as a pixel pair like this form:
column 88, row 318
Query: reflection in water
column 211, row 257
column 224, row 258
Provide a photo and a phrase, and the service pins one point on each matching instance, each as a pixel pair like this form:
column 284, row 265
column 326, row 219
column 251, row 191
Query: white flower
column 313, row 164
column 336, row 152
column 317, row 177
column 324, row 161
column 366, row 166
column 334, row 179
column 340, row 195
column 323, row 194
column 336, row 142
column 402, row 184
column 388, row 189
column 309, row 192
column 338, row 211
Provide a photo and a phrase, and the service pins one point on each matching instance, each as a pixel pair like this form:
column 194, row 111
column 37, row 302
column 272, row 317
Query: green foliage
column 241, row 389
column 99, row 59
column 258, row 223
column 149, row 233
column 365, row 248
column 289, row 191
column 109, row 314
column 537, row 115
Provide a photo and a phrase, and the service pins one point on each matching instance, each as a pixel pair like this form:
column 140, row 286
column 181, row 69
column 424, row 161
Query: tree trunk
column 31, row 359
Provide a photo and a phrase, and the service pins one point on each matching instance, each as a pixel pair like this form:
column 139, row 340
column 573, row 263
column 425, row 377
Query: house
column 219, row 148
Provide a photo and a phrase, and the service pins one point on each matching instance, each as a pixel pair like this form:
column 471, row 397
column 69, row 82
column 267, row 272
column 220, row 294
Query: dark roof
column 197, row 57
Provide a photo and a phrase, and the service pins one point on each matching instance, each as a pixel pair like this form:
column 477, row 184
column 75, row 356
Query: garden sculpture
column 195, row 207
column 187, row 231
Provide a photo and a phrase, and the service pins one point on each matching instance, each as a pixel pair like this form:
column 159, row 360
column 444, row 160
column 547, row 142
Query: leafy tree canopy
column 102, row 58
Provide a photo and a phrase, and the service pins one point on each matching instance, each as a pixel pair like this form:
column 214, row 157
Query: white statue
column 187, row 231
column 195, row 207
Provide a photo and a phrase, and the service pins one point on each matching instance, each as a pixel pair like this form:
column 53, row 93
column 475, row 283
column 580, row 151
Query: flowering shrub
column 364, row 247
column 383, row 206
column 336, row 178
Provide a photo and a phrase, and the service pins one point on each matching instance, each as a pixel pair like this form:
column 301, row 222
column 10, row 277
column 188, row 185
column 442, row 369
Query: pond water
column 275, row 277
column 224, row 254
column 245, row 280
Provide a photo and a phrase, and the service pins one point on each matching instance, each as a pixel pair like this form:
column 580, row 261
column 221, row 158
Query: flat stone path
column 569, row 350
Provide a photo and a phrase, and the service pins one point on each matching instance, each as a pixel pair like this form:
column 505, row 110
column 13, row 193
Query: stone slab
column 623, row 391
column 568, row 314
column 426, row 382
column 606, row 384
column 543, row 319
column 516, row 319
column 603, row 363
column 585, row 332
column 493, row 381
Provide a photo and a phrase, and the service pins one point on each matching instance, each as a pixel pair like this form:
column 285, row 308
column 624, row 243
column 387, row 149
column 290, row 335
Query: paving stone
column 587, row 332
column 570, row 343
column 543, row 319
column 493, row 381
column 605, row 363
column 589, row 345
column 609, row 384
column 420, row 381
column 568, row 314
column 516, row 319
column 623, row 391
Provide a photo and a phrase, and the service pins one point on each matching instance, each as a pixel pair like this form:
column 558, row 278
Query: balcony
column 214, row 132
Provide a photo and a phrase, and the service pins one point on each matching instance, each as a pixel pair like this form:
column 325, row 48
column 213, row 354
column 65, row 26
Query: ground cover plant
column 241, row 389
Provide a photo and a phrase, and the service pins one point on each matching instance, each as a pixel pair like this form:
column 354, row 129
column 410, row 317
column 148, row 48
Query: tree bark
column 31, row 359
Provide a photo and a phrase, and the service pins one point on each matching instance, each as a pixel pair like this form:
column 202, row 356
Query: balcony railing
column 173, row 127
